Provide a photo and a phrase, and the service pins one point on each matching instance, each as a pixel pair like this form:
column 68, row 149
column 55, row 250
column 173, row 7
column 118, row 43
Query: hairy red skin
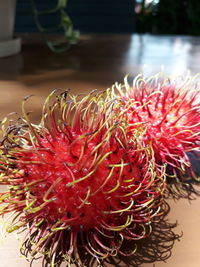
column 169, row 115
column 172, row 122
column 85, row 179
column 62, row 164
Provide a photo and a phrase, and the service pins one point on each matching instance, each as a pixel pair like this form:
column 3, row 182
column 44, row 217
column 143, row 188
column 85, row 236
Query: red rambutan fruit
column 75, row 184
column 168, row 112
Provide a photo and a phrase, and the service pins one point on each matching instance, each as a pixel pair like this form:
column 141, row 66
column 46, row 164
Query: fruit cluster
column 94, row 174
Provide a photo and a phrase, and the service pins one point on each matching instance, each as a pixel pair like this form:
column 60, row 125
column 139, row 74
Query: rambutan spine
column 168, row 113
column 74, row 179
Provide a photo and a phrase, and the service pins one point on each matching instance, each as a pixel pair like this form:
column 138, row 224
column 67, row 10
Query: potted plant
column 10, row 45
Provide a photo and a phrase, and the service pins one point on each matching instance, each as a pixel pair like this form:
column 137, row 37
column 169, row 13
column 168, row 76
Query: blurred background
column 95, row 43
column 116, row 37
column 121, row 16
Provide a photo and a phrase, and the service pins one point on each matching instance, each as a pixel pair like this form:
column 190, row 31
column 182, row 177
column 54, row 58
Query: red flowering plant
column 168, row 110
column 77, row 183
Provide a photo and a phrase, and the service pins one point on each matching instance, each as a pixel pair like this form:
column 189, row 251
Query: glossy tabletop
column 96, row 63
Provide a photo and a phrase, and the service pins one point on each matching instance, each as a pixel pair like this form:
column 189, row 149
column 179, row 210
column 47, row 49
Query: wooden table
column 96, row 63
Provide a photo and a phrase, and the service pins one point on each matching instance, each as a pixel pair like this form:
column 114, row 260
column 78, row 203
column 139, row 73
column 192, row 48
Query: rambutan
column 76, row 183
column 168, row 112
